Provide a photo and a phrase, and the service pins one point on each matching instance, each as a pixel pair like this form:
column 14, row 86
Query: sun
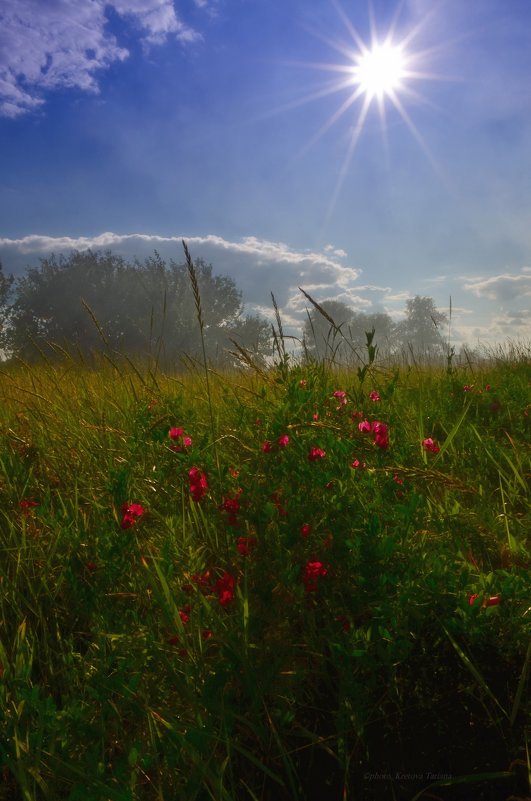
column 380, row 71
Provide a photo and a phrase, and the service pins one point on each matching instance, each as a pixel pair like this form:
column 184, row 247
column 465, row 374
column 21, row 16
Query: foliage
column 86, row 299
column 295, row 585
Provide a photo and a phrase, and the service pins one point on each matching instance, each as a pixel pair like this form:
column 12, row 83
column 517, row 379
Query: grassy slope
column 349, row 659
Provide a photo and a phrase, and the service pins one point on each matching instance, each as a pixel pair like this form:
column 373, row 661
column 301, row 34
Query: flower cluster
column 179, row 439
column 225, row 588
column 380, row 431
column 430, row 445
column 131, row 512
column 198, row 483
column 316, row 453
column 312, row 572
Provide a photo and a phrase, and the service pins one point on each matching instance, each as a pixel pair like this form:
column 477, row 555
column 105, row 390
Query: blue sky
column 132, row 124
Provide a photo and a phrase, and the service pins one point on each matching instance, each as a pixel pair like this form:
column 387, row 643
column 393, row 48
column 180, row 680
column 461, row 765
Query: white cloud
column 64, row 44
column 258, row 266
column 503, row 288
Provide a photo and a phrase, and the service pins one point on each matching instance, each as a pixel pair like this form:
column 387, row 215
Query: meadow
column 285, row 583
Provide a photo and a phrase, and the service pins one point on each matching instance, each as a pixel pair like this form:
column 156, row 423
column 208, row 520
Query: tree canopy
column 89, row 300
column 420, row 330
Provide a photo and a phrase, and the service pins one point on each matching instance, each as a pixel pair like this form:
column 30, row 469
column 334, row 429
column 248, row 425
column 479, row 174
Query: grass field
column 295, row 584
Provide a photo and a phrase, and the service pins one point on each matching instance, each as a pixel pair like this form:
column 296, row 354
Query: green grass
column 345, row 664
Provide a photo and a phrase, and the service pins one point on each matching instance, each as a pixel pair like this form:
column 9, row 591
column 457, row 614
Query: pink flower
column 374, row 396
column 315, row 416
column 316, row 453
column 429, row 445
column 267, row 447
column 225, row 588
column 365, row 427
column 357, row 464
column 312, row 572
column 179, row 439
column 198, row 483
column 305, row 529
column 341, row 395
column 131, row 513
column 381, row 436
column 283, row 441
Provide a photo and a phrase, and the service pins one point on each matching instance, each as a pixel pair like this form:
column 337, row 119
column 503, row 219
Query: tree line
column 88, row 301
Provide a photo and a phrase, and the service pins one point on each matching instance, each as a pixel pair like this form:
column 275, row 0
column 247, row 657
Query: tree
column 420, row 329
column 324, row 340
column 88, row 300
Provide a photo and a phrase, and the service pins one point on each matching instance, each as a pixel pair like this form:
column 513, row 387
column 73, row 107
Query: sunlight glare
column 379, row 71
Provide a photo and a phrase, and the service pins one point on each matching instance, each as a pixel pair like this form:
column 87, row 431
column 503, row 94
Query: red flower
column 26, row 505
column 472, row 598
column 131, row 513
column 312, row 572
column 232, row 507
column 494, row 600
column 374, row 396
column 381, row 436
column 398, row 480
column 316, row 453
column 468, row 387
column 225, row 588
column 305, row 529
column 184, row 614
column 364, row 427
column 357, row 464
column 267, row 447
column 283, row 441
column 429, row 445
column 198, row 483
column 245, row 545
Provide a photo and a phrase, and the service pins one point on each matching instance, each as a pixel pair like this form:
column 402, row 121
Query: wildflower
column 245, row 545
column 357, row 464
column 341, row 396
column 315, row 416
column 91, row 566
column 494, row 600
column 232, row 507
column 26, row 505
column 225, row 588
column 316, row 453
column 202, row 580
column 198, row 483
column 305, row 529
column 207, row 634
column 312, row 572
column 184, row 614
column 364, row 427
column 487, row 387
column 397, row 479
column 374, row 396
column 381, row 437
column 179, row 439
column 283, row 441
column 472, row 598
column 429, row 445
column 131, row 513
column 267, row 447
column 468, row 388
column 345, row 622
column 303, row 383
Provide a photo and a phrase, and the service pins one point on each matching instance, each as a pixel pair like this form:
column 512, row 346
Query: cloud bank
column 61, row 44
column 488, row 309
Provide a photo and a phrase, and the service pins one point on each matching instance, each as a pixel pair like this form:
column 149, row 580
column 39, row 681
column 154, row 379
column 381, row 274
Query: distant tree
column 323, row 340
column 421, row 328
column 89, row 300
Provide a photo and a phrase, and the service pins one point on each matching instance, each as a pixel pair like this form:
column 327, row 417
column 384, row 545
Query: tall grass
column 325, row 616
